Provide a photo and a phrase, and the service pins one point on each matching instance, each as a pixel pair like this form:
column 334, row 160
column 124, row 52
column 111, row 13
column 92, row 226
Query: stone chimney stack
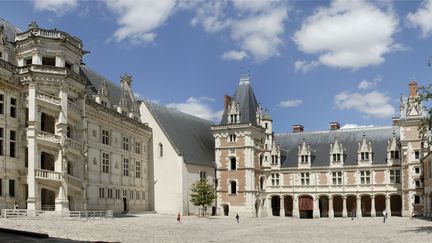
column 334, row 126
column 227, row 101
column 297, row 128
column 413, row 88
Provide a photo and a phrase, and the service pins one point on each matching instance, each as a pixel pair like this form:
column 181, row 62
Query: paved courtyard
column 164, row 228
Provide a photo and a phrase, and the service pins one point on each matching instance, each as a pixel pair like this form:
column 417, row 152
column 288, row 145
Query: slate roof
column 10, row 30
column 320, row 144
column 189, row 135
column 248, row 103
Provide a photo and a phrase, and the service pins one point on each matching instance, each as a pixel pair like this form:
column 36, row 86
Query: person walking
column 352, row 215
column 237, row 218
column 178, row 217
column 384, row 216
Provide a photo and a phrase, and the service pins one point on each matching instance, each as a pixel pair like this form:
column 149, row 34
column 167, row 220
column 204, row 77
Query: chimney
column 227, row 101
column 413, row 88
column 297, row 128
column 334, row 126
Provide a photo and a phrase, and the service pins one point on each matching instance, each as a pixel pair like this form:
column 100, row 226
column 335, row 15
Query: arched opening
column 160, row 150
column 47, row 199
column 47, row 123
column 262, row 183
column 225, row 209
column 366, row 205
column 306, row 207
column 351, row 205
column 288, row 206
column 379, row 205
column 233, row 163
column 396, row 205
column 261, row 158
column 233, row 187
column 337, row 206
column 275, row 205
column 324, row 206
column 47, row 161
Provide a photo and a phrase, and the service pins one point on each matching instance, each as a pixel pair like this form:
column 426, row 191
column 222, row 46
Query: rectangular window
column 125, row 143
column 394, row 154
column 12, row 143
column 137, row 195
column 395, row 176
column 336, row 157
column 304, row 158
column 274, row 159
column 124, row 193
column 105, row 162
column 275, row 179
column 1, row 104
column 110, row 193
column 1, row 140
column 105, row 137
column 49, row 61
column 417, row 170
column 417, row 183
column 131, row 195
column 232, row 138
column 417, row 154
column 13, row 106
column 117, row 193
column 1, row 188
column 416, row 199
column 12, row 188
column 203, row 175
column 364, row 155
column 304, row 178
column 365, row 177
column 125, row 167
column 138, row 169
column 337, row 178
column 144, row 195
column 101, row 192
column 138, row 147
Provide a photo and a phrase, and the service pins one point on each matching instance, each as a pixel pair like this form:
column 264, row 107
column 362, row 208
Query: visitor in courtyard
column 178, row 217
column 237, row 217
column 16, row 205
column 352, row 214
column 384, row 216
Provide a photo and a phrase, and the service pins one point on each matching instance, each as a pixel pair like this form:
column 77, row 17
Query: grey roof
column 248, row 103
column 320, row 144
column 10, row 30
column 94, row 82
column 189, row 135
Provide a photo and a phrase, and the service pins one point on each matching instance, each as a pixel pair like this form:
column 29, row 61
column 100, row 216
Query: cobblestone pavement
column 164, row 228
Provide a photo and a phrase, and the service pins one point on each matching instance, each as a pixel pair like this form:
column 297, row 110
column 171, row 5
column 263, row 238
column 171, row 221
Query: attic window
column 394, row 154
column 364, row 155
column 304, row 158
column 48, row 61
column 336, row 157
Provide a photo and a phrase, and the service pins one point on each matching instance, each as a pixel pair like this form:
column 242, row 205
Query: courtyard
column 164, row 228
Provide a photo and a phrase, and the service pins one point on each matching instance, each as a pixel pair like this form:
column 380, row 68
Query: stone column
column 295, row 213
column 387, row 204
column 344, row 207
column 33, row 154
column 358, row 204
column 373, row 211
column 282, row 207
column 60, row 61
column 331, row 210
column 316, row 210
column 269, row 207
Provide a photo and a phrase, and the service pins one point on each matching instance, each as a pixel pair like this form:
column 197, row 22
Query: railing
column 8, row 66
column 74, row 181
column 13, row 213
column 86, row 215
column 55, row 34
column 48, row 207
column 46, row 136
column 47, row 174
column 48, row 98
column 74, row 107
column 74, row 144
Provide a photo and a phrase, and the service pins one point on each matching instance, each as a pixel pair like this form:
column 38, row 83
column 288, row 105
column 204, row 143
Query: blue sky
column 311, row 62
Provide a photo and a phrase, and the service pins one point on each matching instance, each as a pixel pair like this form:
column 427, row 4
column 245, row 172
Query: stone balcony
column 47, row 175
column 47, row 138
column 74, row 146
column 74, row 182
column 74, row 109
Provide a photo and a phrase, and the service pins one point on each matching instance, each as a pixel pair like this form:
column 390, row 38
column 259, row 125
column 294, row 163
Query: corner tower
column 239, row 151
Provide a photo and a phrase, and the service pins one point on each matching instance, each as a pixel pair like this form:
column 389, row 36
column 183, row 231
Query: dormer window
column 304, row 158
column 364, row 155
column 336, row 157
column 364, row 151
column 304, row 154
column 232, row 138
column 394, row 154
column 274, row 159
column 234, row 112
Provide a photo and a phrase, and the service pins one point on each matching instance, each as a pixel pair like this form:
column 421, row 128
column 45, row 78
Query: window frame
column 106, row 137
column 126, row 166
column 337, row 177
column 2, row 100
column 365, row 177
column 12, row 143
column 275, row 179
column 305, row 178
column 395, row 176
column 105, row 162
column 13, row 107
column 138, row 169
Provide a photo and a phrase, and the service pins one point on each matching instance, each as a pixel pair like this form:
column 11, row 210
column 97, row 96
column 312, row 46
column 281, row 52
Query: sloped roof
column 10, row 30
column 320, row 144
column 247, row 100
column 189, row 135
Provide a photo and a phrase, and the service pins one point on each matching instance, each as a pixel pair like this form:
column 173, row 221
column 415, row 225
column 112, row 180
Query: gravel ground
column 164, row 228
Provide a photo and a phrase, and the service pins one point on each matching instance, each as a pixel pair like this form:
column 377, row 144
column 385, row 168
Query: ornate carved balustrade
column 74, row 107
column 74, row 145
column 48, row 137
column 47, row 174
column 51, row 99
column 72, row 180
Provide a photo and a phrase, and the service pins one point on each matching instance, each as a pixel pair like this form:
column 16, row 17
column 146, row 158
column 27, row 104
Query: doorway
column 125, row 209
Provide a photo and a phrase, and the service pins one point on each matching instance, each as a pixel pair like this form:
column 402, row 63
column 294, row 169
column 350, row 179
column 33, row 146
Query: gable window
column 336, row 157
column 138, row 169
column 126, row 143
column 138, row 147
column 275, row 179
column 105, row 162
column 125, row 167
column 364, row 155
column 232, row 138
column 394, row 154
column 304, row 178
column 160, row 150
column 12, row 143
column 203, row 175
column 274, row 159
column 13, row 105
column 337, row 177
column 233, row 163
column 365, row 177
column 2, row 104
column 1, row 140
column 233, row 187
column 395, row 176
column 233, row 118
column 105, row 137
column 304, row 158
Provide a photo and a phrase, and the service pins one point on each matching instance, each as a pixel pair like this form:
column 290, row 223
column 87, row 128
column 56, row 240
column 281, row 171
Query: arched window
column 233, row 187
column 233, row 163
column 160, row 150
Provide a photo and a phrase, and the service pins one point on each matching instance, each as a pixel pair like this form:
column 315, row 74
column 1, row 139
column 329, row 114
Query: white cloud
column 198, row 107
column 351, row 126
column 365, row 84
column 349, row 34
column 139, row 19
column 59, row 7
column 373, row 104
column 304, row 66
column 256, row 26
column 234, row 55
column 422, row 18
column 290, row 103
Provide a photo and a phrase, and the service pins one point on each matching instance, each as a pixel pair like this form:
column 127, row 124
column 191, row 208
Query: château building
column 334, row 173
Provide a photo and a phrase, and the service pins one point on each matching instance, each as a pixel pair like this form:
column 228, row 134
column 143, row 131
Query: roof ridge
column 340, row 130
column 12, row 25
column 176, row 111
